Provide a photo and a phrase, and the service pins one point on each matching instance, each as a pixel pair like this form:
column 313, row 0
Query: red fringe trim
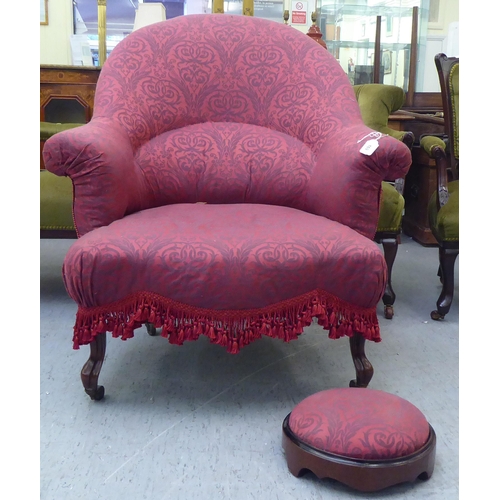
column 232, row 329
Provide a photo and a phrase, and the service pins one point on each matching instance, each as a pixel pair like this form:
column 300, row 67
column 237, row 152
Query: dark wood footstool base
column 366, row 439
column 362, row 475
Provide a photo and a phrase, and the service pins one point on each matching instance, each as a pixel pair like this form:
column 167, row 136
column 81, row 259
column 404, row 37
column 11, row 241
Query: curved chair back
column 215, row 69
column 448, row 72
column 377, row 102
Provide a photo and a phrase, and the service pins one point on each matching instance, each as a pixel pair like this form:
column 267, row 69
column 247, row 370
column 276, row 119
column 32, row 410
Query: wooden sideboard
column 421, row 180
column 420, row 183
column 66, row 95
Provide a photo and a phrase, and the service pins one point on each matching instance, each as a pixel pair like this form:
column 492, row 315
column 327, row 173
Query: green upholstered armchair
column 377, row 102
column 443, row 205
column 56, row 193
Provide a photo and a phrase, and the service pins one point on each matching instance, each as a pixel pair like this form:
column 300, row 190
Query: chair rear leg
column 92, row 368
column 447, row 257
column 364, row 369
column 152, row 331
column 390, row 246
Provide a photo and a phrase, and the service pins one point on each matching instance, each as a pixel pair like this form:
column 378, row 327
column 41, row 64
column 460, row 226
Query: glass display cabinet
column 375, row 41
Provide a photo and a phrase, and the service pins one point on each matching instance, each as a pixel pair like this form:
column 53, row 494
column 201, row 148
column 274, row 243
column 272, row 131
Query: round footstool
column 364, row 438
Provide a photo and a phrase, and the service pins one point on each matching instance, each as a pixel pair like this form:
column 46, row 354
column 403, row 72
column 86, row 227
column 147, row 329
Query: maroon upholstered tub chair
column 220, row 189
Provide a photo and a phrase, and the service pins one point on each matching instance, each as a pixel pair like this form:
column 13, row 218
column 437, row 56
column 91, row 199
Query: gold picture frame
column 44, row 12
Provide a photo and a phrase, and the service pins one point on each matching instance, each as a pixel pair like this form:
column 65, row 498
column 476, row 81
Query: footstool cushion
column 365, row 438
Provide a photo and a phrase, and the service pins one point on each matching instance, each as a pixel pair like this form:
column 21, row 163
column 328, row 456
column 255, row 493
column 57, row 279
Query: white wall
column 55, row 47
column 196, row 7
column 442, row 37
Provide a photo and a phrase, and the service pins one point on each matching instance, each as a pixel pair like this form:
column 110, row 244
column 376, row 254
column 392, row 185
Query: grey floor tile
column 194, row 422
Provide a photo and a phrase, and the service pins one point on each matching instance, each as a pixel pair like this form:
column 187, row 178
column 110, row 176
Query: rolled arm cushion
column 429, row 142
column 107, row 181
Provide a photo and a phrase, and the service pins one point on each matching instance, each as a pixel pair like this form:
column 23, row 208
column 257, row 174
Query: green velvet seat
column 56, row 193
column 377, row 102
column 391, row 209
column 48, row 129
column 444, row 203
column 445, row 221
column 56, row 199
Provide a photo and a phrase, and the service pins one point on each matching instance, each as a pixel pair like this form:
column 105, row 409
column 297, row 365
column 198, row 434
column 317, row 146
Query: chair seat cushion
column 391, row 209
column 445, row 224
column 232, row 263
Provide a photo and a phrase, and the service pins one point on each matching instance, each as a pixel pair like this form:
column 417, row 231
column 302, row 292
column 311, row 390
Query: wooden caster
column 96, row 394
column 388, row 312
column 436, row 316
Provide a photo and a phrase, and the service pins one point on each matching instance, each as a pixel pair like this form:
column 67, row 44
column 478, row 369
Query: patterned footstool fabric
column 360, row 424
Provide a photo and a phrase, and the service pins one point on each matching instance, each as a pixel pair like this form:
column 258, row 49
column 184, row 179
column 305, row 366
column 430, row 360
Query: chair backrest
column 448, row 72
column 377, row 102
column 213, row 68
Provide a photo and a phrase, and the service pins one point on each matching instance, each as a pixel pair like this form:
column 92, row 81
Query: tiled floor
column 195, row 422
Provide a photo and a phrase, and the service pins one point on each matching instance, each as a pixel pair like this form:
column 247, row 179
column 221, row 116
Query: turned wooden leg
column 447, row 257
column 364, row 369
column 390, row 246
column 92, row 368
column 152, row 331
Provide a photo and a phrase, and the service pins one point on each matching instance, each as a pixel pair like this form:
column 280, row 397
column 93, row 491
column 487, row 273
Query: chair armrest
column 345, row 184
column 422, row 117
column 99, row 159
column 436, row 149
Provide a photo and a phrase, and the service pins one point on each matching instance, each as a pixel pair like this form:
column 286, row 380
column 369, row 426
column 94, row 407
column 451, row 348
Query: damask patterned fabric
column 205, row 71
column 360, row 423
column 238, row 113
column 209, row 260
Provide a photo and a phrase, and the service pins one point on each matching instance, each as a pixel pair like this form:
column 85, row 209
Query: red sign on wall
column 299, row 12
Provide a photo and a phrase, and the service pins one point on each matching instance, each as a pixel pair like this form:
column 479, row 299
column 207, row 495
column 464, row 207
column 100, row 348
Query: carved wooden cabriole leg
column 390, row 246
column 364, row 369
column 447, row 257
column 152, row 331
column 92, row 368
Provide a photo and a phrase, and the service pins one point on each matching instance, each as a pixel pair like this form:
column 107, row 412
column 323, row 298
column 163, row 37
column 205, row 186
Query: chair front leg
column 390, row 246
column 447, row 257
column 92, row 368
column 364, row 369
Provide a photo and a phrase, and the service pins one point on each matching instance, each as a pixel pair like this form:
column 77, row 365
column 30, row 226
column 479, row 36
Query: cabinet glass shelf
column 349, row 30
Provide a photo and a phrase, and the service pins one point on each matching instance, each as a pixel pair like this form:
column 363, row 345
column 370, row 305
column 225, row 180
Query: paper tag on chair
column 369, row 147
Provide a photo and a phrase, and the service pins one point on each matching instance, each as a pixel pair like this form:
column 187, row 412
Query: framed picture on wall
column 388, row 26
column 44, row 12
column 387, row 61
column 437, row 8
